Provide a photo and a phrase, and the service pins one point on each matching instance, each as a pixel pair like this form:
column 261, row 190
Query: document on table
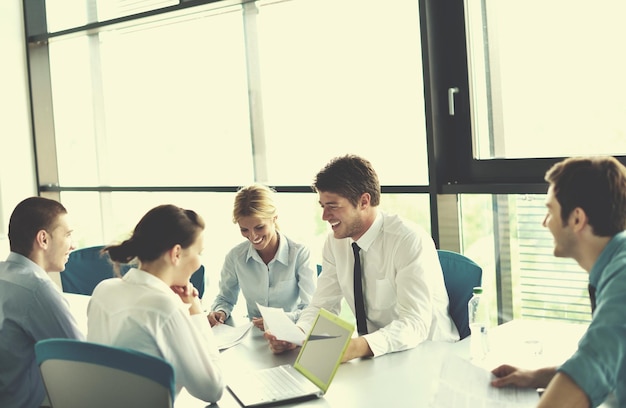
column 463, row 384
column 280, row 325
column 227, row 336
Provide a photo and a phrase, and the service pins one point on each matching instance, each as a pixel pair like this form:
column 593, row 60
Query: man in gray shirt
column 32, row 306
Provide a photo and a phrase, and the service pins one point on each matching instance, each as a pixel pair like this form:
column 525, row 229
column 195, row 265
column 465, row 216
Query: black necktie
column 592, row 297
column 359, row 305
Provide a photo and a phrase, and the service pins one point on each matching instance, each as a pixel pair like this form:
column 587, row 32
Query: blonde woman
column 268, row 268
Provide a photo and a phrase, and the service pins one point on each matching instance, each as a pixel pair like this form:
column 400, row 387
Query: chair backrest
column 86, row 267
column 83, row 374
column 460, row 275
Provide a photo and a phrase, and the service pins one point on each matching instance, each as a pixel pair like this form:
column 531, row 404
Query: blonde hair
column 255, row 200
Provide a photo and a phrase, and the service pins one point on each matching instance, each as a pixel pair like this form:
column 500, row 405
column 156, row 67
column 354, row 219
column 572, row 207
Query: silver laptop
column 310, row 375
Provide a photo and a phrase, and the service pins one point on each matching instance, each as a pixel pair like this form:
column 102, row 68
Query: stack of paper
column 463, row 384
column 227, row 336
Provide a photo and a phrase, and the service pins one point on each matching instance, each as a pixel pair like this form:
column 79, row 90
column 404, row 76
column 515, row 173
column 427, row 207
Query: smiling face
column 261, row 232
column 564, row 238
column 345, row 219
column 59, row 245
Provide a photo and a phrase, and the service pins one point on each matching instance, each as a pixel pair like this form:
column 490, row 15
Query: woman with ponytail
column 154, row 308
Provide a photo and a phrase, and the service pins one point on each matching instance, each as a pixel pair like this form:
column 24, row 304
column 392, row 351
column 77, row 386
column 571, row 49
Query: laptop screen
column 323, row 349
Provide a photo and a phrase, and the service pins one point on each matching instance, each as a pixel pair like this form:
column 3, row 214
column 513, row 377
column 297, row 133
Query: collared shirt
column 287, row 281
column 140, row 312
column 32, row 308
column 599, row 364
column 406, row 301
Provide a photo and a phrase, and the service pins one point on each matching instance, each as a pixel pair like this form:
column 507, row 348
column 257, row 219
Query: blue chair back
column 460, row 275
column 86, row 267
column 83, row 374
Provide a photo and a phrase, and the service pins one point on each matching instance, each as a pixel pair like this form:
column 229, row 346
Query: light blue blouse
column 288, row 281
column 599, row 364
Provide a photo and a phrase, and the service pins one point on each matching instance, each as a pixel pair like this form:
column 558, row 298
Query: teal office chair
column 460, row 275
column 79, row 374
column 86, row 267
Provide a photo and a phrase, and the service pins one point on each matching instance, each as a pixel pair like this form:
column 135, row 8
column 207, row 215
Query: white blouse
column 140, row 312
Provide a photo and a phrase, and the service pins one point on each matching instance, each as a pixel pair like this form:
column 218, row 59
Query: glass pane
column 163, row 103
column 104, row 218
column 335, row 85
column 64, row 14
column 542, row 286
column 542, row 86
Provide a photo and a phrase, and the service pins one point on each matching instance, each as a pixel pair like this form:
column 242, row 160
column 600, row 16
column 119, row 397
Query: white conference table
column 407, row 378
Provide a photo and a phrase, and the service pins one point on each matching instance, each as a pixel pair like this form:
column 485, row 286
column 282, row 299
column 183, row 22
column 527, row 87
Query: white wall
column 17, row 164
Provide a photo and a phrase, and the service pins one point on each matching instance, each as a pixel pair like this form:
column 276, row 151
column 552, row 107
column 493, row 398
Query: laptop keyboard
column 278, row 383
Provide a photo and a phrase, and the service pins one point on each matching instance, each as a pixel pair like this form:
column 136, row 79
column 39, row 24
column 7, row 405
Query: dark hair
column 159, row 230
column 28, row 218
column 349, row 176
column 595, row 184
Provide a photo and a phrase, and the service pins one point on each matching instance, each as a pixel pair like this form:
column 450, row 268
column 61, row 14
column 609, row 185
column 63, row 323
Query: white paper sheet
column 276, row 322
column 227, row 336
column 463, row 384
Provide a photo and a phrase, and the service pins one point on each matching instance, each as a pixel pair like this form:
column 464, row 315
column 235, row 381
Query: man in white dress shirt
column 405, row 299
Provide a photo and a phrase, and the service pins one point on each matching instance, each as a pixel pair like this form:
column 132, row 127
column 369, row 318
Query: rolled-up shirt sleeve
column 408, row 287
column 600, row 360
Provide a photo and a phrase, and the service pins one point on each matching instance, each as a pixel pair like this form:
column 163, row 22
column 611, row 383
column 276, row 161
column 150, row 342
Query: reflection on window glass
column 542, row 86
column 542, row 286
column 104, row 218
column 64, row 14
column 342, row 77
column 163, row 103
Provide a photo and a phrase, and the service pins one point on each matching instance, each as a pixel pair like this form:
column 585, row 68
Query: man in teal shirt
column 587, row 216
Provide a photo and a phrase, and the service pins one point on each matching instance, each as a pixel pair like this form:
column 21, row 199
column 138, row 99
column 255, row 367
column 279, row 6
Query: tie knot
column 355, row 247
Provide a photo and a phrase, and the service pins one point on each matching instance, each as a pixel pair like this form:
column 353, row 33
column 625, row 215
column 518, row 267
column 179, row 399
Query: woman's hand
column 189, row 295
column 218, row 317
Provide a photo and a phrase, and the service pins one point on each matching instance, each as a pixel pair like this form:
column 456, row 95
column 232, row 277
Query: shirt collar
column 282, row 254
column 368, row 238
column 19, row 259
column 138, row 277
column 615, row 244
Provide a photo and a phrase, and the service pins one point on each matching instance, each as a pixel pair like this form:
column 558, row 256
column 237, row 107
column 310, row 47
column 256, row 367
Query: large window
column 546, row 80
column 342, row 77
column 460, row 105
column 185, row 104
column 153, row 103
column 521, row 276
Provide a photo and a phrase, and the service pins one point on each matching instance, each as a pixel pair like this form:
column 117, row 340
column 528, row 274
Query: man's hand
column 509, row 375
column 278, row 346
column 357, row 348
column 258, row 322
